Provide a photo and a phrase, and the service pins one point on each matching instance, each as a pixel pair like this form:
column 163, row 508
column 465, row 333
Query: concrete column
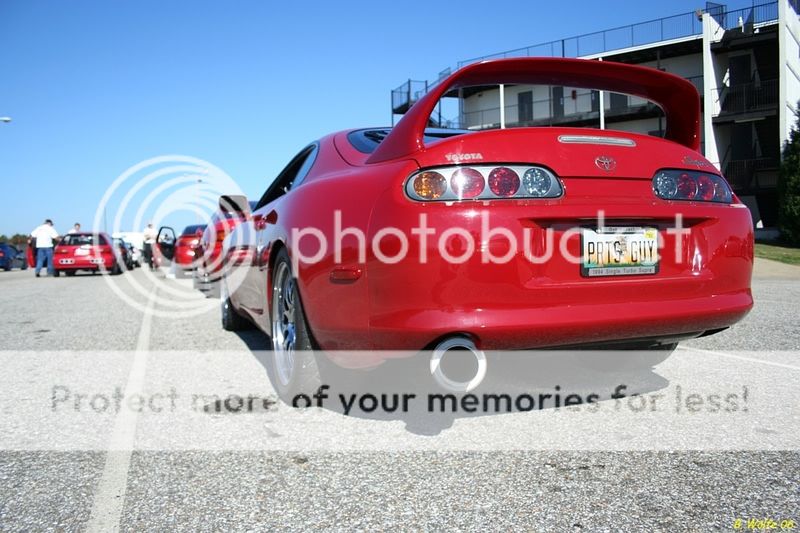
column 502, row 106
column 602, row 104
column 711, row 32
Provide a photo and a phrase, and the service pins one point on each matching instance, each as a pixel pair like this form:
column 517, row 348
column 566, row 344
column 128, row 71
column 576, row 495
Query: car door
column 264, row 234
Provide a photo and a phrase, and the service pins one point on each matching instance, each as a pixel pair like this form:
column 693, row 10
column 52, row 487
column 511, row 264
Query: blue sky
column 95, row 87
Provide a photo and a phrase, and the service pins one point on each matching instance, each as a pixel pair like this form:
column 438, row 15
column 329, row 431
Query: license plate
column 82, row 251
column 619, row 251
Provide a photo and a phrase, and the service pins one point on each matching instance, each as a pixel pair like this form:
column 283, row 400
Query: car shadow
column 515, row 382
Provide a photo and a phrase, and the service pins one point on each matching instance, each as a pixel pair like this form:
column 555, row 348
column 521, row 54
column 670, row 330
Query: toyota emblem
column 606, row 163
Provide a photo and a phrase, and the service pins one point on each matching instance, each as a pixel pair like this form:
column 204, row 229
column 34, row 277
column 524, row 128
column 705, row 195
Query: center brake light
column 457, row 183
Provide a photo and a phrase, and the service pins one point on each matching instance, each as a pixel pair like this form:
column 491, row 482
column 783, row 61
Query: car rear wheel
column 293, row 367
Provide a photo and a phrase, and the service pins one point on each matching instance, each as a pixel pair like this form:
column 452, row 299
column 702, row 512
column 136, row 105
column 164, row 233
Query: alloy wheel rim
column 284, row 330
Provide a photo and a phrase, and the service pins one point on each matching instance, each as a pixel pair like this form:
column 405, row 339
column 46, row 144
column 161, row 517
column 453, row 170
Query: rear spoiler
column 676, row 96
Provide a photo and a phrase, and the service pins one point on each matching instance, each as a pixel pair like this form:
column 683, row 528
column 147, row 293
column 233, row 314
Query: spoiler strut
column 676, row 96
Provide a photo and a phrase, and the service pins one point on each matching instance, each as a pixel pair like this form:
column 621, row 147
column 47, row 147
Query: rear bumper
column 589, row 326
column 185, row 257
column 72, row 263
column 511, row 329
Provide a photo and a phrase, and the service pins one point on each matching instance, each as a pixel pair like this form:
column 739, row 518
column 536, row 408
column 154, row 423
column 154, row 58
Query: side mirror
column 166, row 242
column 234, row 203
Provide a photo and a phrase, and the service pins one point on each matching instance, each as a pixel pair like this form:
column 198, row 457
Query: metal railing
column 643, row 33
column 746, row 97
column 753, row 15
column 651, row 31
column 408, row 93
column 639, row 34
column 748, row 174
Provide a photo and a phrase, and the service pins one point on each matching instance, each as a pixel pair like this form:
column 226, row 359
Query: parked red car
column 500, row 239
column 91, row 252
column 233, row 210
column 186, row 256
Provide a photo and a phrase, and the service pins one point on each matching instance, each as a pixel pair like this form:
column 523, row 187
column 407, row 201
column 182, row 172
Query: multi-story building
column 745, row 64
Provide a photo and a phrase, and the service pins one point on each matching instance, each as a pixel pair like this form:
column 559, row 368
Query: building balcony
column 407, row 94
column 746, row 98
column 748, row 175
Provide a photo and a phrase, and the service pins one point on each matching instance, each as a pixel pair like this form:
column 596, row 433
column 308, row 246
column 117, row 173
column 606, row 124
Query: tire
column 292, row 366
column 231, row 319
column 56, row 273
column 116, row 270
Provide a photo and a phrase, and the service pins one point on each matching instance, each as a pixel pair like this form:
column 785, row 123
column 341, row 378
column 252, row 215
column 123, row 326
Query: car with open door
column 90, row 252
column 165, row 244
column 233, row 210
column 185, row 255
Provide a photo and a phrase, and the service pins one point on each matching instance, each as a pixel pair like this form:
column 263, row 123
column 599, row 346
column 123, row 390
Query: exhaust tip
column 463, row 346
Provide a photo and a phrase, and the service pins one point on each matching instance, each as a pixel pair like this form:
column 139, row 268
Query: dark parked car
column 124, row 253
column 12, row 257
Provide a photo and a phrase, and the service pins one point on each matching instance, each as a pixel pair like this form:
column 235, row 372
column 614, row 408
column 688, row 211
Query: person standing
column 75, row 229
column 45, row 236
column 149, row 235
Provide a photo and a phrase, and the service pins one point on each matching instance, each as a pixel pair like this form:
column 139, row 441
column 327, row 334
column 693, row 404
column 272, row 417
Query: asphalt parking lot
column 177, row 477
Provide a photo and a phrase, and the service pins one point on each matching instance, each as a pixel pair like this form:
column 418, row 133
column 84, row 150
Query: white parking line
column 741, row 358
column 110, row 493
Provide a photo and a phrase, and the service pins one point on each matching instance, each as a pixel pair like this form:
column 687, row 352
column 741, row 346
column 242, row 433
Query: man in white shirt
column 45, row 236
column 149, row 235
column 75, row 229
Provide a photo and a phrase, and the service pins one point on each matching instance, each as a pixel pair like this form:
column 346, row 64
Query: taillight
column 691, row 185
column 429, row 185
column 536, row 182
column 504, row 182
column 467, row 182
column 453, row 183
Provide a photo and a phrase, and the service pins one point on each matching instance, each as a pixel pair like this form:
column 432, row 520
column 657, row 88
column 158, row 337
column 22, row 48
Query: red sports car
column 186, row 257
column 86, row 251
column 233, row 211
column 411, row 238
